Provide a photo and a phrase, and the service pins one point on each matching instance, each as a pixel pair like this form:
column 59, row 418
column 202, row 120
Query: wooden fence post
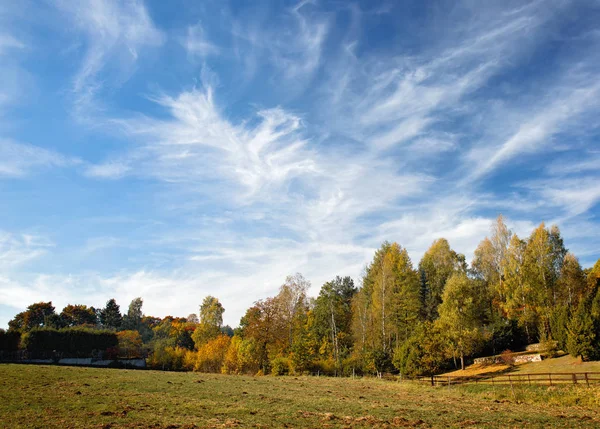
column 574, row 378
column 587, row 381
column 550, row 378
column 529, row 378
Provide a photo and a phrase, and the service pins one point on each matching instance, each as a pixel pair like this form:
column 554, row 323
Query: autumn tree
column 490, row 263
column 593, row 278
column 76, row 315
column 437, row 265
column 130, row 344
column 35, row 316
column 293, row 301
column 386, row 307
column 362, row 321
column 542, row 265
column 572, row 286
column 519, row 300
column 211, row 355
column 333, row 317
column 460, row 315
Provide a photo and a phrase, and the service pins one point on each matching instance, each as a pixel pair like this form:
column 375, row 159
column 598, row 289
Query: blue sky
column 172, row 150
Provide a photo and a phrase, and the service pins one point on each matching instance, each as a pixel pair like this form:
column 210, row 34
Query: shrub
column 280, row 366
column 507, row 357
column 168, row 357
column 211, row 355
column 189, row 360
column 130, row 344
column 325, row 366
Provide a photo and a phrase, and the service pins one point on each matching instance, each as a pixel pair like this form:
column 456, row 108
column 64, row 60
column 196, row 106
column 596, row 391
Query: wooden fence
column 548, row 379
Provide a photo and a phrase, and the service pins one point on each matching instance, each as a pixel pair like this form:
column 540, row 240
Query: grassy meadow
column 71, row 397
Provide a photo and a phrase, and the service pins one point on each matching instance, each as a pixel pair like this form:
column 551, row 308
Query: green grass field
column 70, row 397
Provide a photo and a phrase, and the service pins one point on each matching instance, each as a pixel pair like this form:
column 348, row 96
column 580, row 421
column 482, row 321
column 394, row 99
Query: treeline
column 415, row 320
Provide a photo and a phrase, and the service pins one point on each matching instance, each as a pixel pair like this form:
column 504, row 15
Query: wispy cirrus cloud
column 198, row 143
column 197, row 44
column 319, row 130
column 561, row 112
column 107, row 170
column 20, row 159
column 292, row 43
column 115, row 34
column 392, row 99
column 18, row 249
column 14, row 79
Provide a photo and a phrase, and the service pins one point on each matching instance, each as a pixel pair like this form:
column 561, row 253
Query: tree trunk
column 462, row 361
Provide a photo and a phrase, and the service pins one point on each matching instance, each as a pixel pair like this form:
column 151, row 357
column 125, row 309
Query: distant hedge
column 69, row 342
column 9, row 341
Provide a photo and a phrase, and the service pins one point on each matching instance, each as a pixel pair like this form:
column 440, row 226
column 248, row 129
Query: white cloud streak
column 20, row 160
column 116, row 32
column 196, row 44
column 16, row 250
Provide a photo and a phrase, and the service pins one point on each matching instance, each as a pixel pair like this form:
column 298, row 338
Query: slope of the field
column 564, row 364
column 69, row 397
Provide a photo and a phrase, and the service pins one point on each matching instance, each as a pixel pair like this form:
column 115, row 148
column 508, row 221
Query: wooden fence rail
column 549, row 379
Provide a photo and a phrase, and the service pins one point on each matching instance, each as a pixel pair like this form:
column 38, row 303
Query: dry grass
column 69, row 397
column 477, row 370
column 566, row 364
column 563, row 364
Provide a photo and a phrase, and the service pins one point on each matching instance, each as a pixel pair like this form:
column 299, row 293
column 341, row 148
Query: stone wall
column 528, row 358
column 489, row 360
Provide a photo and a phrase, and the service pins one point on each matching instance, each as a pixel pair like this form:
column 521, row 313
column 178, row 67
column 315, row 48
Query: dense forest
column 402, row 318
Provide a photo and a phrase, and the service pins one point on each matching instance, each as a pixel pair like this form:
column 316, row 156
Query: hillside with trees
column 402, row 317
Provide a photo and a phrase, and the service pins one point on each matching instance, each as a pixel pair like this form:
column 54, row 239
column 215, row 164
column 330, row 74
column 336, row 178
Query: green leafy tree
column 437, row 265
column 519, row 300
column 423, row 354
column 490, row 264
column 363, row 325
column 460, row 315
column 333, row 317
column 593, row 278
column 582, row 340
column 110, row 316
column 572, row 287
column 133, row 319
column 542, row 265
column 211, row 320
